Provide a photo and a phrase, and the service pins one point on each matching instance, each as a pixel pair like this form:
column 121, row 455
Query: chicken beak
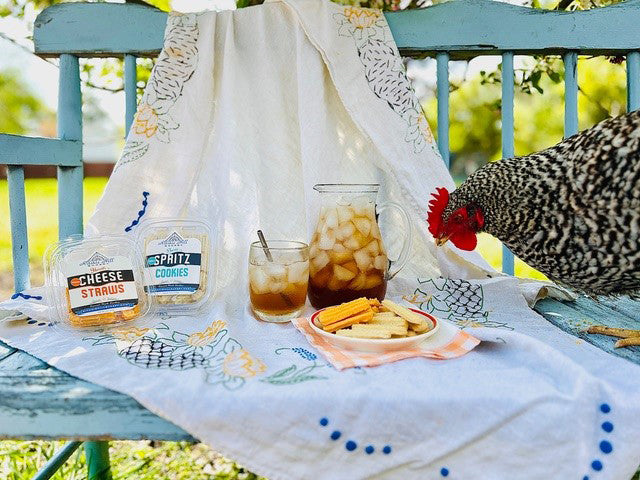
column 442, row 240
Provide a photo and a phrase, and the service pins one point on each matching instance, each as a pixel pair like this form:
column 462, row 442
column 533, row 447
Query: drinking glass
column 278, row 278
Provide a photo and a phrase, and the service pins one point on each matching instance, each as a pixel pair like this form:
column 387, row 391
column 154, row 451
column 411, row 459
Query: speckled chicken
column 571, row 211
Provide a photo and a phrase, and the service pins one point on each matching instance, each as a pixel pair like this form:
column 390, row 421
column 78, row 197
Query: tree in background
column 22, row 111
column 475, row 105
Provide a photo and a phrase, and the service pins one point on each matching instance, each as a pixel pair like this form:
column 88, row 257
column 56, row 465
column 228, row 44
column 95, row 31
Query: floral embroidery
column 385, row 71
column 459, row 301
column 222, row 358
column 292, row 374
column 130, row 334
column 146, row 121
column 361, row 18
column 200, row 339
column 240, row 363
column 174, row 67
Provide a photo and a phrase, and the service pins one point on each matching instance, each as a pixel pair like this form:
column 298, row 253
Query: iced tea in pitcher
column 347, row 258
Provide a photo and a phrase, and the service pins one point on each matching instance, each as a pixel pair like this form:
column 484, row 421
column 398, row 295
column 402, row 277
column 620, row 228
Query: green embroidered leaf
column 284, row 372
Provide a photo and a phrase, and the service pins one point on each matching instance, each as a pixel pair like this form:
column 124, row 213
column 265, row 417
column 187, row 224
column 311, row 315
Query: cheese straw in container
column 95, row 282
column 178, row 263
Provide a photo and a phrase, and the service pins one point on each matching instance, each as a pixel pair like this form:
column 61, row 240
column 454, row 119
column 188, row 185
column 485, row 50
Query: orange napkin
column 449, row 342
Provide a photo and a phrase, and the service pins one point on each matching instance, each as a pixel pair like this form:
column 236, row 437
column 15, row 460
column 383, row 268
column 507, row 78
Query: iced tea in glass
column 278, row 279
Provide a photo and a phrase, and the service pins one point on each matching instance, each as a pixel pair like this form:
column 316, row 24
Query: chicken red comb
column 437, row 205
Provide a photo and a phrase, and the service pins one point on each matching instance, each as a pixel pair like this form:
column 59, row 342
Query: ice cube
column 363, row 225
column 352, row 243
column 380, row 262
column 277, row 287
column 342, row 273
column 298, row 272
column 351, row 266
column 331, row 220
column 320, row 279
column 336, row 284
column 339, row 248
column 345, row 230
column 275, row 271
column 345, row 213
column 372, row 248
column 340, row 257
column 363, row 259
column 327, row 240
column 259, row 280
column 320, row 261
column 362, row 206
column 373, row 280
column 313, row 250
column 359, row 282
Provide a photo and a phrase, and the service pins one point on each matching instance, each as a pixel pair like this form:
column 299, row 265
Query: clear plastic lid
column 178, row 261
column 95, row 282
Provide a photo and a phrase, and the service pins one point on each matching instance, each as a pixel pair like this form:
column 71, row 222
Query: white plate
column 376, row 345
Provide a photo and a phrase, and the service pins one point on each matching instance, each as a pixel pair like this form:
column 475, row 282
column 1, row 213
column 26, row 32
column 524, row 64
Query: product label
column 173, row 265
column 101, row 284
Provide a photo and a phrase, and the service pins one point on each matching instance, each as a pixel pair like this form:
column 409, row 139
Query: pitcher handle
column 396, row 265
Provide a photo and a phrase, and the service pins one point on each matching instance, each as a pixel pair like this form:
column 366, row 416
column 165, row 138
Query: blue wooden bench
column 38, row 401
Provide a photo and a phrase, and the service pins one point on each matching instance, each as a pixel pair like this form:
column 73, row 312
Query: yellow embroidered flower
column 129, row 334
column 360, row 17
column 146, row 121
column 417, row 299
column 240, row 363
column 425, row 130
column 200, row 339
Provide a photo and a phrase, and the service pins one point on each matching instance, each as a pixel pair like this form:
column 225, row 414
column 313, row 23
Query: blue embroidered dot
column 605, row 408
column 41, row 324
column 596, row 465
column 444, row 471
column 586, row 477
column 606, row 447
column 386, row 450
column 607, row 427
column 335, row 435
column 140, row 212
column 324, row 421
column 26, row 296
column 351, row 445
column 31, row 322
column 369, row 449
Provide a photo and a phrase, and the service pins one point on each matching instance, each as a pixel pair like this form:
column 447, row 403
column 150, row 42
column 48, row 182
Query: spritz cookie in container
column 95, row 282
column 178, row 263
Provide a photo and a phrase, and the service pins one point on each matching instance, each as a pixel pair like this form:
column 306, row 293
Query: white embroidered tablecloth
column 244, row 112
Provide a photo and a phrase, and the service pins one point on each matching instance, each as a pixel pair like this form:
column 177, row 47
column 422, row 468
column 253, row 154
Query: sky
column 102, row 141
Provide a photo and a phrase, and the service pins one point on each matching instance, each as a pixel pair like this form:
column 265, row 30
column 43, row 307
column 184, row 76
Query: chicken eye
column 458, row 218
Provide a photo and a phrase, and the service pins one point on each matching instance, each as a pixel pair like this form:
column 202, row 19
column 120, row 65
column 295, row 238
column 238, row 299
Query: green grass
column 141, row 460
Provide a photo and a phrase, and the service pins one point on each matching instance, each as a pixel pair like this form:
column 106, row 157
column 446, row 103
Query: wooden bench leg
column 97, row 455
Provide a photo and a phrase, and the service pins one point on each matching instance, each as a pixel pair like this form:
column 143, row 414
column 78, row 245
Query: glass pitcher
column 347, row 258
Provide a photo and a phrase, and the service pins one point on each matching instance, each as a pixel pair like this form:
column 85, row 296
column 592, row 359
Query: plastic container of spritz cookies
column 177, row 256
column 95, row 282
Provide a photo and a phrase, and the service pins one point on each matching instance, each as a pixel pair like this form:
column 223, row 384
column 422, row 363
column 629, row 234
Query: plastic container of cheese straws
column 178, row 262
column 95, row 282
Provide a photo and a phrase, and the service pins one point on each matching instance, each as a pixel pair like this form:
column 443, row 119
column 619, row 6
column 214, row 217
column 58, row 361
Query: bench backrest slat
column 130, row 89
